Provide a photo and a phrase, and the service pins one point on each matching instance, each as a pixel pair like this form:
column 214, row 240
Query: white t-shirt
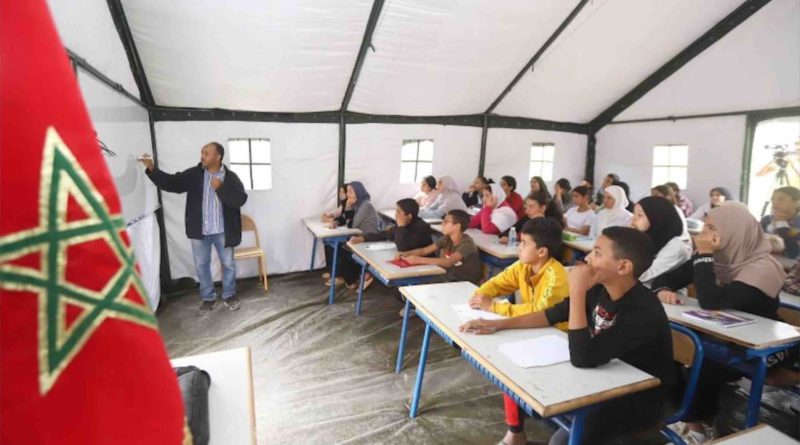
column 578, row 220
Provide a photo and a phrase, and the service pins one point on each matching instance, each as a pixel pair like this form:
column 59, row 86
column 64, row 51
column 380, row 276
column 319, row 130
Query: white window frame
column 416, row 160
column 671, row 166
column 250, row 163
column 537, row 164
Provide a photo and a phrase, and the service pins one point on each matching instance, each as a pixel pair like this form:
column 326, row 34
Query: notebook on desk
column 718, row 318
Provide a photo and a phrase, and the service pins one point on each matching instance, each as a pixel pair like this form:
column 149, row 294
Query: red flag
column 82, row 361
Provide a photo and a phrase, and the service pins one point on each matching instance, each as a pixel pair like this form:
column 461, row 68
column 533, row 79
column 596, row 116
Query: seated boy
column 411, row 232
column 541, row 280
column 457, row 252
column 611, row 315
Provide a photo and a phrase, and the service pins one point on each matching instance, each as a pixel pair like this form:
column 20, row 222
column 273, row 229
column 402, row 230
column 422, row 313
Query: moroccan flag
column 81, row 358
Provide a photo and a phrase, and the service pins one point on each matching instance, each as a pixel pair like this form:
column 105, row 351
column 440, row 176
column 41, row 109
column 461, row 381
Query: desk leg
column 403, row 332
column 756, row 388
column 423, row 359
column 313, row 254
column 361, row 288
column 576, row 432
column 333, row 271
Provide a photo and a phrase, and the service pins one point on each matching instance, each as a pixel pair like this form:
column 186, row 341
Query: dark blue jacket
column 190, row 181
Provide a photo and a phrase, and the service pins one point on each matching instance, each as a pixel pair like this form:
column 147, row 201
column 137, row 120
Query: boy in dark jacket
column 611, row 315
column 214, row 195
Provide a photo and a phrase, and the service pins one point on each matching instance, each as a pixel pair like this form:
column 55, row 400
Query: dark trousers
column 346, row 268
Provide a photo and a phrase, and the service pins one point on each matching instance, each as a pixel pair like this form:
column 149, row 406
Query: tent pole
column 718, row 31
column 484, row 134
column 591, row 144
column 165, row 272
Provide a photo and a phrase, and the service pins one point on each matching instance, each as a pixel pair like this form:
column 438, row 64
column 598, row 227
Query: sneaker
column 232, row 303
column 207, row 307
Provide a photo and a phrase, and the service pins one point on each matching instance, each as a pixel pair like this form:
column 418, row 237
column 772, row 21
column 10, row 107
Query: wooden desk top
column 759, row 434
column 389, row 214
column 762, row 334
column 582, row 243
column 788, row 299
column 378, row 255
column 320, row 229
column 550, row 390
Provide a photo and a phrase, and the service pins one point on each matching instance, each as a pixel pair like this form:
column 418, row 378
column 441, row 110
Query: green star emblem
column 60, row 340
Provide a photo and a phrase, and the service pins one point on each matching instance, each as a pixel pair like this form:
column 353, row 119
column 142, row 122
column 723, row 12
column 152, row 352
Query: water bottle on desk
column 512, row 237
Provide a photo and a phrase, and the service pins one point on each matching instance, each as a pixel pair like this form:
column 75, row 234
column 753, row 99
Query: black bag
column 194, row 385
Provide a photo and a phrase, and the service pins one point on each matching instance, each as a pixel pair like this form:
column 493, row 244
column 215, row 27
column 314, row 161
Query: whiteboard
column 124, row 127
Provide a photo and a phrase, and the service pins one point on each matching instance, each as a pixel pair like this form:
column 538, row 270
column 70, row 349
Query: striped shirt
column 213, row 222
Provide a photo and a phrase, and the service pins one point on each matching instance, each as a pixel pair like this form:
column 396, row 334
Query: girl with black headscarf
column 657, row 218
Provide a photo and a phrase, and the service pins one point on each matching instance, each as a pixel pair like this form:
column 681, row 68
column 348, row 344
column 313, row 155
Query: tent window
column 773, row 161
column 416, row 160
column 251, row 160
column 670, row 164
column 542, row 156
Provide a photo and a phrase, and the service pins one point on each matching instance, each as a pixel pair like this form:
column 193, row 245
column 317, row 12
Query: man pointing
column 214, row 195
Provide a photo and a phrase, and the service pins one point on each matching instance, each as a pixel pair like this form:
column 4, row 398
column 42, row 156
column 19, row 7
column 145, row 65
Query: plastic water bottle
column 512, row 237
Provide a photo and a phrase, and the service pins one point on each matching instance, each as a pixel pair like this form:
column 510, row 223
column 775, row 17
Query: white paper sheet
column 542, row 351
column 466, row 313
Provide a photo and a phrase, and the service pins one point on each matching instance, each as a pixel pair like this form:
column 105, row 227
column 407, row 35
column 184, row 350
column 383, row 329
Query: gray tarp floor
column 325, row 376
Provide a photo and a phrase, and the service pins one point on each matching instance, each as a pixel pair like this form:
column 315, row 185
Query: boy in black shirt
column 611, row 315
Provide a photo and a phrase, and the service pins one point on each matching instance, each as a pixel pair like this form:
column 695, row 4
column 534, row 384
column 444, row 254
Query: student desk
column 745, row 348
column 331, row 237
column 230, row 397
column 760, row 434
column 389, row 214
column 375, row 257
column 789, row 301
column 582, row 244
column 549, row 391
column 494, row 254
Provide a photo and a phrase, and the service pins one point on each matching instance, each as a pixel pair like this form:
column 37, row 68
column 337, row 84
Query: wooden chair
column 243, row 253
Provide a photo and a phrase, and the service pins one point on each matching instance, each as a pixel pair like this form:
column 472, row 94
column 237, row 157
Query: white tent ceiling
column 86, row 27
column 446, row 57
column 440, row 57
column 606, row 51
column 756, row 66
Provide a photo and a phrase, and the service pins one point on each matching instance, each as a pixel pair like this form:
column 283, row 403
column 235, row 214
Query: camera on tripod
column 779, row 154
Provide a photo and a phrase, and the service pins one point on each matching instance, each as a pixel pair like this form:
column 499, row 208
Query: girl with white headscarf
column 614, row 211
column 448, row 199
column 496, row 216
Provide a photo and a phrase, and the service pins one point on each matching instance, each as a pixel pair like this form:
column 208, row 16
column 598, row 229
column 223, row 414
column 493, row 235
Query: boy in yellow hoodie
column 541, row 280
column 542, row 283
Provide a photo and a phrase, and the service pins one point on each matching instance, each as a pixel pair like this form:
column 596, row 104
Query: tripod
column 781, row 178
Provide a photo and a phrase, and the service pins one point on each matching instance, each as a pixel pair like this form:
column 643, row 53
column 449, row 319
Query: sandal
column 326, row 276
column 339, row 281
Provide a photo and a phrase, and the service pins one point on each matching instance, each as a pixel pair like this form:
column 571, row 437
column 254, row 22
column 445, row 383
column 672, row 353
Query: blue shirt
column 213, row 223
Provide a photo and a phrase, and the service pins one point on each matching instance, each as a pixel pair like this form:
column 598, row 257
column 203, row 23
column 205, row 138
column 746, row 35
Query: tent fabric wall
column 716, row 148
column 124, row 127
column 508, row 153
column 144, row 236
column 374, row 151
column 755, row 66
column 261, row 56
column 86, row 27
column 443, row 57
column 304, row 166
column 608, row 49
